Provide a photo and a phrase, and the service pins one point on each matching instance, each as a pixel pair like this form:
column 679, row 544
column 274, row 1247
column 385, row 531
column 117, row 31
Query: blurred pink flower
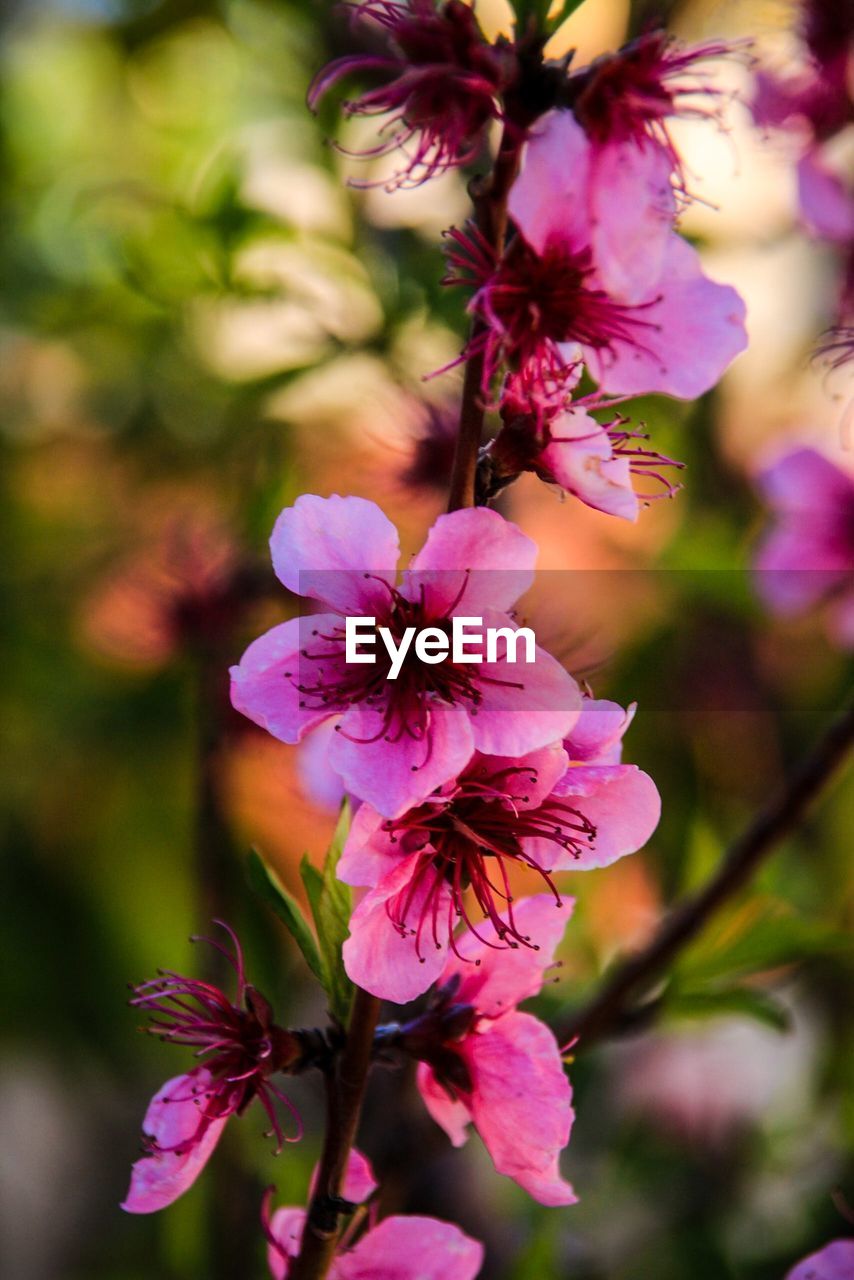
column 807, row 558
column 597, row 275
column 398, row 740
column 543, row 812
column 496, row 1067
column 834, row 1262
column 442, row 83
column 398, row 1248
column 242, row 1049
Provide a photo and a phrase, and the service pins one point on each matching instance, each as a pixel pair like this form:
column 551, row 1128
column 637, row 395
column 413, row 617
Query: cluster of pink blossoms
column 814, row 107
column 469, row 780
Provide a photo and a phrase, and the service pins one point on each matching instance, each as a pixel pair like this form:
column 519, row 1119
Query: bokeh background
column 198, row 321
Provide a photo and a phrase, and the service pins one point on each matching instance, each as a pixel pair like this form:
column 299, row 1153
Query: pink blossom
column 593, row 461
column 834, row 1262
column 565, row 292
column 442, row 81
column 543, row 812
column 807, row 558
column 398, row 740
column 398, row 1248
column 496, row 1067
column 242, row 1048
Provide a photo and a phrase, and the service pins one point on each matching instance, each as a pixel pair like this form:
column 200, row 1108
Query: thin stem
column 490, row 203
column 611, row 1006
column 345, row 1091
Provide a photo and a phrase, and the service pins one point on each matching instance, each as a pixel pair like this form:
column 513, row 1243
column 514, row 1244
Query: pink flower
column 398, row 1248
column 808, row 556
column 494, row 1066
column 575, row 287
column 242, row 1049
column 542, row 812
column 442, row 84
column 624, row 101
column 399, row 739
column 593, row 461
column 834, row 1262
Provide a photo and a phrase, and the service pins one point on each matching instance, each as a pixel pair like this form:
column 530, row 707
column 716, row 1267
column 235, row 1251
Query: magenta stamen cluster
column 442, row 83
column 238, row 1043
column 470, row 835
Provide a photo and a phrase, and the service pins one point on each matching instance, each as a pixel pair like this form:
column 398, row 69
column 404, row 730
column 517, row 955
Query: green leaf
column 266, row 884
column 748, row 1002
column 331, row 906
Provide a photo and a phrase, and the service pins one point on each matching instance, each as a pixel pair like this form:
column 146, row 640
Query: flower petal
column 323, row 547
column 834, row 1262
column 495, row 980
column 286, row 1228
column 450, row 1114
column 411, row 1248
column 378, row 957
column 632, row 210
column 623, row 804
column 173, row 1118
column 265, row 683
column 472, row 560
column 682, row 341
column 393, row 776
column 549, row 198
column 522, row 1103
column 826, row 207
column 597, row 734
column 582, row 461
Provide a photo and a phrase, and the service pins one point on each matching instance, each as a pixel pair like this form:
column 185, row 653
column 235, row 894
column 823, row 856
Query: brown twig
column 490, row 204
column 345, row 1090
column 612, row 1004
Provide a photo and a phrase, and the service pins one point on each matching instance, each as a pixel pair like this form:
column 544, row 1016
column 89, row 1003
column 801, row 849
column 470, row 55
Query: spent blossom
column 485, row 1063
column 441, row 84
column 807, row 557
column 398, row 740
column 398, row 1248
column 450, row 859
column 240, row 1047
column 573, row 289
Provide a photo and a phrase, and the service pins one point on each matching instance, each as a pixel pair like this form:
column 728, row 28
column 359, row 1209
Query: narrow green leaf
column 331, row 905
column 266, row 884
column 747, row 1002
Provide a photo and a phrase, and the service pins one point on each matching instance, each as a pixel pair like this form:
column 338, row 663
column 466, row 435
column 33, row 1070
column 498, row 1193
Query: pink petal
column 472, row 560
column 264, row 682
column 359, row 1181
column 582, row 462
column 323, row 547
column 322, row 787
column 683, row 340
column 173, row 1117
column 549, row 198
column 378, row 958
column 596, row 736
column 827, row 208
column 411, row 1248
column 623, row 804
column 396, row 776
column 834, row 1262
column 502, row 978
column 633, row 209
column 450, row 1114
column 529, row 778
column 286, row 1226
column 524, row 706
column 522, row 1103
column 805, row 481
column 797, row 566
column 369, row 853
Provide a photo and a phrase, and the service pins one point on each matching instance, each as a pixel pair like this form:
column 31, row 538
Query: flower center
column 469, row 840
